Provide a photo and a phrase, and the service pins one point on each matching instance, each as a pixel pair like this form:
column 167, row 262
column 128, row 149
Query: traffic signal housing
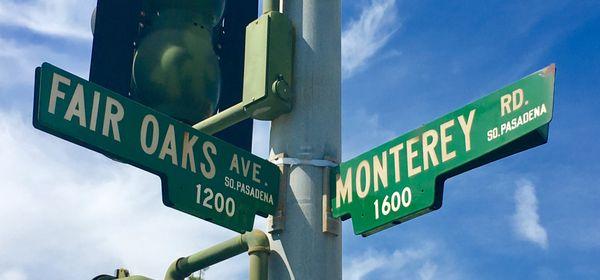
column 184, row 58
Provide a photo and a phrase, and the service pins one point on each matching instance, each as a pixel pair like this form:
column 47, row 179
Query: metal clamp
column 276, row 223
column 279, row 160
column 331, row 225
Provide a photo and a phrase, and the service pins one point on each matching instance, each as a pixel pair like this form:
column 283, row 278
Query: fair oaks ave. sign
column 404, row 178
column 201, row 175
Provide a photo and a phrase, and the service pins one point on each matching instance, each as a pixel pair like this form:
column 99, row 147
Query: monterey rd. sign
column 201, row 175
column 404, row 178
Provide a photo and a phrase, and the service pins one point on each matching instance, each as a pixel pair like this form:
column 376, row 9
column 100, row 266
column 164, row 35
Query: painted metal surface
column 311, row 132
column 267, row 74
column 201, row 175
column 230, row 37
column 268, row 66
column 175, row 68
column 404, row 178
column 255, row 243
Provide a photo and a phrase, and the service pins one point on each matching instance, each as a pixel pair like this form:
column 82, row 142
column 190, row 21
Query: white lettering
column 234, row 164
column 188, row 151
column 55, row 92
column 95, row 105
column 255, row 171
column 77, row 106
column 363, row 167
column 169, row 146
column 208, row 148
column 149, row 119
column 380, row 171
column 111, row 120
column 466, row 128
column 445, row 139
column 396, row 152
column 429, row 148
column 343, row 190
column 411, row 155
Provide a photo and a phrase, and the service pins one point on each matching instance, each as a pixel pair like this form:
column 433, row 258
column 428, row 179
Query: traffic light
column 175, row 69
column 183, row 58
column 115, row 27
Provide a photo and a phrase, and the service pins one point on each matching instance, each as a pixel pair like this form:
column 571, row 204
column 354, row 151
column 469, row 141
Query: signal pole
column 312, row 131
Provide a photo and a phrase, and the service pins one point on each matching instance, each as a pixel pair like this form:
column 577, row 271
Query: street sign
column 201, row 175
column 404, row 178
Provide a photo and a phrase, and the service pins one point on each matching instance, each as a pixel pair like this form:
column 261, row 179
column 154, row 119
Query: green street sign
column 201, row 175
column 404, row 178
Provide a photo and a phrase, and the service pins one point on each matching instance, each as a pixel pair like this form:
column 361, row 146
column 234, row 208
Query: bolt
column 280, row 87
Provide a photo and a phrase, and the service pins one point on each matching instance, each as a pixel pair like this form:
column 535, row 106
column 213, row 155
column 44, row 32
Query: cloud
column 526, row 221
column 19, row 60
column 365, row 133
column 428, row 271
column 425, row 260
column 61, row 18
column 364, row 37
column 70, row 213
column 13, row 274
column 362, row 265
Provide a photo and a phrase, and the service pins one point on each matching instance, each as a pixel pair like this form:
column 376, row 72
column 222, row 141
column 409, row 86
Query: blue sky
column 69, row 213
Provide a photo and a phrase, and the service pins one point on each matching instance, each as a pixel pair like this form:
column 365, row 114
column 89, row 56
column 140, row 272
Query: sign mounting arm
column 267, row 73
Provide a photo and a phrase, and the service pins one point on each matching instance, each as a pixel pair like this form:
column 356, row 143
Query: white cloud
column 424, row 261
column 367, row 132
column 84, row 215
column 13, row 274
column 428, row 271
column 526, row 221
column 364, row 37
column 362, row 265
column 19, row 60
column 62, row 18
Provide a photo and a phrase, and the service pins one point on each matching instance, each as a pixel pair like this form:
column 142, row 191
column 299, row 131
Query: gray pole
column 311, row 131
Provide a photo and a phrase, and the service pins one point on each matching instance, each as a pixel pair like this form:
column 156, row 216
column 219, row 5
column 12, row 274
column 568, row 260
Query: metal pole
column 311, row 131
column 223, row 120
column 258, row 250
column 255, row 242
column 259, row 265
column 270, row 5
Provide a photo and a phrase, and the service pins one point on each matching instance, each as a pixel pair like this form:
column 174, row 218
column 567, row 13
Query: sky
column 70, row 213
